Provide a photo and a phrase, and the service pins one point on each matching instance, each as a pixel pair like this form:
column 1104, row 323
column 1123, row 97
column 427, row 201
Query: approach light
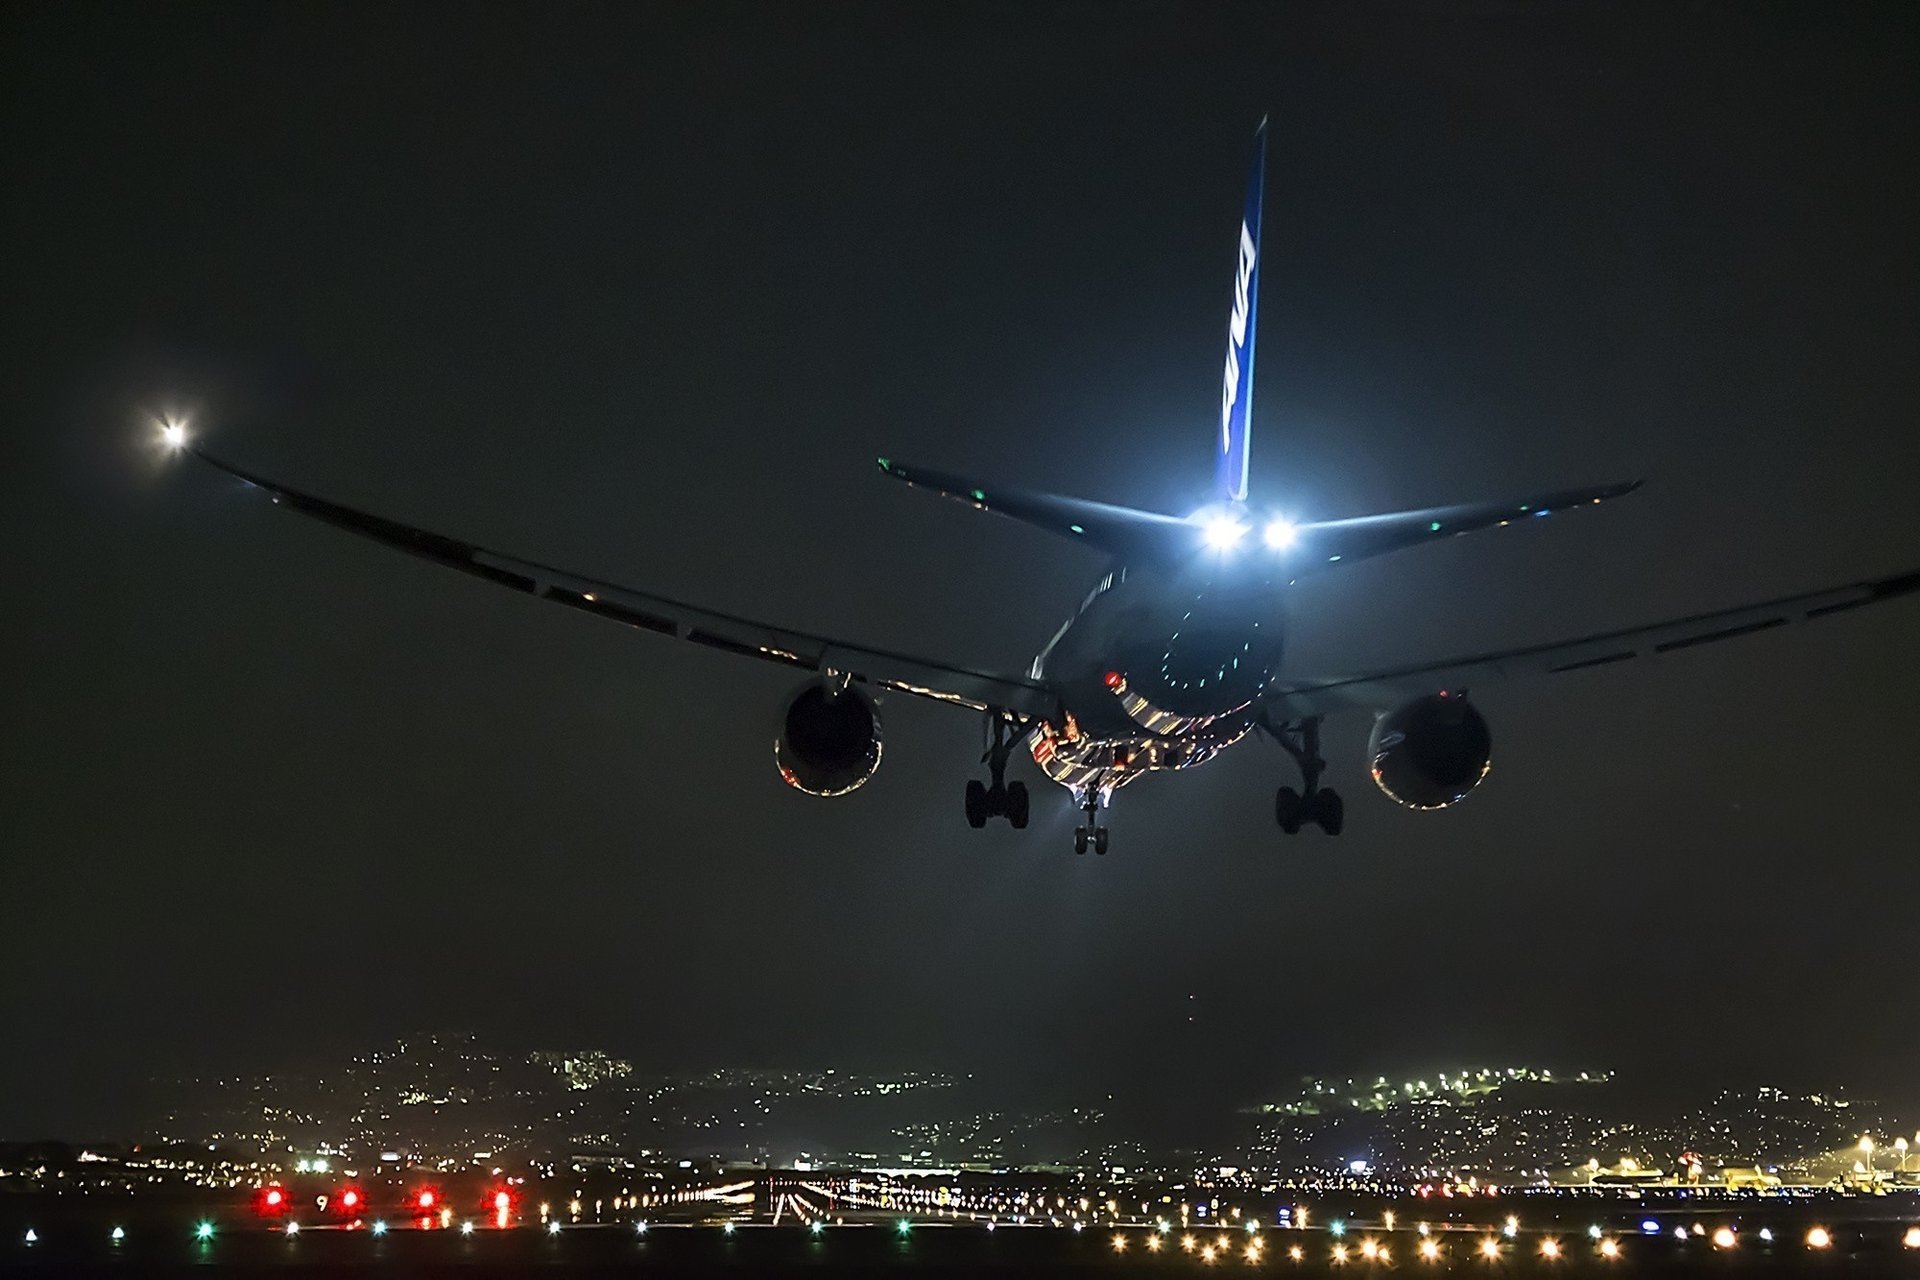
column 553, row 1228
column 380, row 1228
column 1222, row 532
column 1280, row 534
column 466, row 1228
column 1912, row 1239
column 1549, row 1248
column 119, row 1234
column 1723, row 1238
column 1819, row 1238
column 293, row 1228
column 816, row 1228
column 1609, row 1248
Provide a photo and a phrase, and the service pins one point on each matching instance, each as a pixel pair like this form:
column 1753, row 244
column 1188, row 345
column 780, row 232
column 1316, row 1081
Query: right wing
column 927, row 678
column 1381, row 690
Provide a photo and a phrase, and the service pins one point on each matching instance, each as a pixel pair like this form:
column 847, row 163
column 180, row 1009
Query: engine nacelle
column 829, row 741
column 1428, row 753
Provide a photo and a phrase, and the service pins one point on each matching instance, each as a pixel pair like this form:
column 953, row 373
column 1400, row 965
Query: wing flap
column 1382, row 689
column 923, row 677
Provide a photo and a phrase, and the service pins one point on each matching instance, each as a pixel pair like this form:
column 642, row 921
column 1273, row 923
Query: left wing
column 1381, row 690
column 928, row 678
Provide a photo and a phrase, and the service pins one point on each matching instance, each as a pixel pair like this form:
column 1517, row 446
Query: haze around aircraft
column 1176, row 654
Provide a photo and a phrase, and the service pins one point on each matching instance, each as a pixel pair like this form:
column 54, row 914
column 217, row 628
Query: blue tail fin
column 1236, row 397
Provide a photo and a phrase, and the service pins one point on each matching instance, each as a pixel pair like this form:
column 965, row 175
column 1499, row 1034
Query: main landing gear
column 1000, row 798
column 1091, row 830
column 1313, row 803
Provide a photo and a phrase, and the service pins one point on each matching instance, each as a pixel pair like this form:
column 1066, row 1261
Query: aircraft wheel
column 1017, row 805
column 1100, row 840
column 1079, row 839
column 1330, row 811
column 1287, row 808
column 976, row 803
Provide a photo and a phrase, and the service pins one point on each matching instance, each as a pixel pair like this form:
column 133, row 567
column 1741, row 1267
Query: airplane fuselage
column 1157, row 670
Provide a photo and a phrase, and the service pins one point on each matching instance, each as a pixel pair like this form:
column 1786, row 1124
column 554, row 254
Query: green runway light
column 1434, row 527
column 1076, row 528
column 979, row 495
column 905, row 1226
column 203, row 1232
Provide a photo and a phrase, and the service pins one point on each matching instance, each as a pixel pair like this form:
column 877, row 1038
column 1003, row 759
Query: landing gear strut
column 999, row 798
column 1313, row 803
column 1091, row 830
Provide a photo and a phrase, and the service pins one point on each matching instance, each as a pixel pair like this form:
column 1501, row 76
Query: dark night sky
column 642, row 291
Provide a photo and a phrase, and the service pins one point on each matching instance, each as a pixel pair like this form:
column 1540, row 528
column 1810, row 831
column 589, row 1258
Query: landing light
column 1280, row 534
column 1222, row 532
column 173, row 434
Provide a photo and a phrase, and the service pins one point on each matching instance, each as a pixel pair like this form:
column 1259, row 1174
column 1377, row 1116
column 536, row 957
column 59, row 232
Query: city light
column 1819, row 1238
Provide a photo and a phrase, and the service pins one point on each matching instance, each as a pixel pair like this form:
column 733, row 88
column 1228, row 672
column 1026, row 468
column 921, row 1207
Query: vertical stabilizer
column 1236, row 396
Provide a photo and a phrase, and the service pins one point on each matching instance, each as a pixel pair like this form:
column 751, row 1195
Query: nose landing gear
column 1313, row 803
column 999, row 798
column 1091, row 831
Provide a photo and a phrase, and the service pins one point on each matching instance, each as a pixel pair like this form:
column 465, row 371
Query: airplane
column 1175, row 655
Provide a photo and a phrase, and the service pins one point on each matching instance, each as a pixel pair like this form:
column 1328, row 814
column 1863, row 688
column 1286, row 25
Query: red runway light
column 424, row 1199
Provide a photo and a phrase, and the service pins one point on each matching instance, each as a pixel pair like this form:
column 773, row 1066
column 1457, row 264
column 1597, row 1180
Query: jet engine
column 829, row 741
column 1428, row 753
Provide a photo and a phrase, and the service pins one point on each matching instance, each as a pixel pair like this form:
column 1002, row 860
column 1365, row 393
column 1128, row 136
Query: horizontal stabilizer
column 1323, row 542
column 1126, row 532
